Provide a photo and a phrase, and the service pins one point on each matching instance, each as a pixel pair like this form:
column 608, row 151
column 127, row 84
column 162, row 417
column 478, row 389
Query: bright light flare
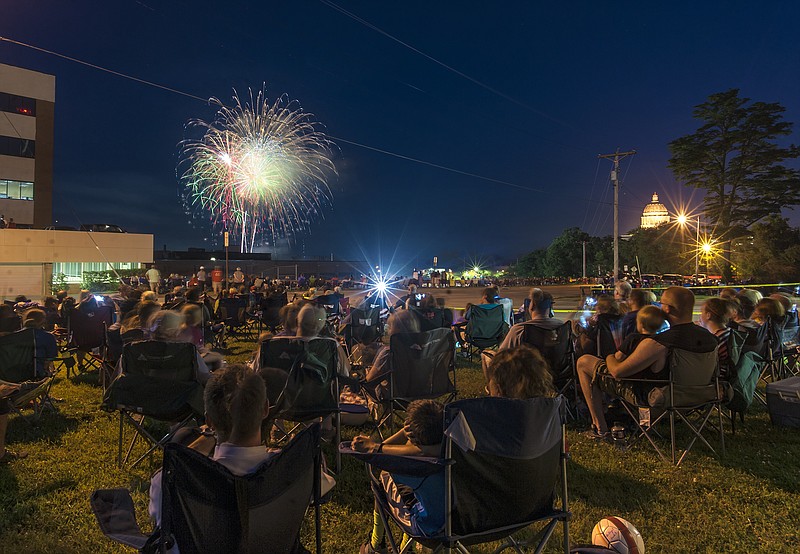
column 707, row 247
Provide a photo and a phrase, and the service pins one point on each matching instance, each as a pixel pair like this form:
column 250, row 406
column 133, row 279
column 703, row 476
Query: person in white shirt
column 154, row 277
column 236, row 405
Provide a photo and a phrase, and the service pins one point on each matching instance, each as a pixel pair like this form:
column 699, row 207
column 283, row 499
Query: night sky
column 557, row 84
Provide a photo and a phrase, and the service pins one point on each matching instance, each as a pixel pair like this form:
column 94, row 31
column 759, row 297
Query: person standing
column 154, row 277
column 217, row 278
column 238, row 277
column 201, row 278
column 11, row 224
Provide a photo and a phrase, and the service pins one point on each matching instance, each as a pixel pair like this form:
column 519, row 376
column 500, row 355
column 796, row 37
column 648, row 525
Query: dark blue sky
column 574, row 79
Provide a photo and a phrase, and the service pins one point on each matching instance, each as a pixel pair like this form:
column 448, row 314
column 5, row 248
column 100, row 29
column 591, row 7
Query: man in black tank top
column 648, row 360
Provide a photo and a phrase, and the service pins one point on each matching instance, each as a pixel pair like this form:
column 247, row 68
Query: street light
column 682, row 220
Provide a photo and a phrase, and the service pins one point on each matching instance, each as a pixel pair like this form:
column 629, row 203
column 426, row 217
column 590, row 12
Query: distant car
column 60, row 228
column 102, row 228
column 672, row 278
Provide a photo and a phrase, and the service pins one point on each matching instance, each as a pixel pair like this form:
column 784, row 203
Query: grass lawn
column 748, row 502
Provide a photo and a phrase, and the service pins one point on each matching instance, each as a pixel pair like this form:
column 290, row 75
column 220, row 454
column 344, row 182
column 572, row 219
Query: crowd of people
column 239, row 398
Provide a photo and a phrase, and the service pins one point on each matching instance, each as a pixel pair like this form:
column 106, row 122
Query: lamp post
column 682, row 221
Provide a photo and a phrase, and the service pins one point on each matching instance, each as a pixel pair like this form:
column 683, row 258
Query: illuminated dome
column 654, row 214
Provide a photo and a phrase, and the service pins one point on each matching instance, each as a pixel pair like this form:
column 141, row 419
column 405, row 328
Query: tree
column 564, row 257
column 772, row 254
column 735, row 157
column 658, row 251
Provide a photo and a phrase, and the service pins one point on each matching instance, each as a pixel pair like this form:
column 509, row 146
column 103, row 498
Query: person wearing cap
column 238, row 276
column 201, row 278
column 217, row 278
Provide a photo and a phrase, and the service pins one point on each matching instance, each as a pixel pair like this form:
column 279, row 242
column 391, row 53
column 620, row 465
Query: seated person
column 9, row 320
column 607, row 317
column 622, row 293
column 488, row 301
column 311, row 321
column 541, row 315
column 768, row 308
column 714, row 316
column 429, row 315
column 741, row 319
column 236, row 404
column 46, row 346
column 137, row 319
column 508, row 306
column 519, row 372
column 638, row 299
column 649, row 321
column 6, row 455
column 399, row 322
column 598, row 376
column 407, row 299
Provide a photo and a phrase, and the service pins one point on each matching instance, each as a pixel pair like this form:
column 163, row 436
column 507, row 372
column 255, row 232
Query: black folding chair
column 207, row 509
column 233, row 313
column 491, row 481
column 87, row 332
column 691, row 393
column 433, row 318
column 18, row 366
column 269, row 311
column 557, row 346
column 364, row 327
column 159, row 382
column 312, row 385
column 422, row 366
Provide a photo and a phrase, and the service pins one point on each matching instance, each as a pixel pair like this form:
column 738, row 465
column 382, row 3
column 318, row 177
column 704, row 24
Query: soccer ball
column 619, row 535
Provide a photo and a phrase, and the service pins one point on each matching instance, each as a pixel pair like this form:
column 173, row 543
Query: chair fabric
column 87, row 327
column 556, row 346
column 430, row 319
column 486, row 326
column 421, row 364
column 692, row 377
column 311, row 388
column 364, row 326
column 208, row 509
column 18, row 366
column 159, row 380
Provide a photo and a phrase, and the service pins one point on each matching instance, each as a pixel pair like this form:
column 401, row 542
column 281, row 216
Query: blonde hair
column 650, row 319
column 165, row 325
column 192, row 314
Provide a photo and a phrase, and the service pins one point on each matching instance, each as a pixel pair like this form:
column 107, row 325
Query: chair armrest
column 116, row 517
column 414, row 466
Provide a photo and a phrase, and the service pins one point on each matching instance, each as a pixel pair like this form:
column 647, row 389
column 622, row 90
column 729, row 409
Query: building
column 27, row 116
column 654, row 214
column 33, row 253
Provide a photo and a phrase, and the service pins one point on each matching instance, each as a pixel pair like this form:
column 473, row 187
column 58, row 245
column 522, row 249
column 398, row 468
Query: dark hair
column 606, row 304
column 541, row 301
column 234, row 400
column 520, row 372
column 34, row 318
column 489, row 293
column 288, row 315
column 192, row 295
column 718, row 310
column 425, row 422
column 745, row 305
column 641, row 298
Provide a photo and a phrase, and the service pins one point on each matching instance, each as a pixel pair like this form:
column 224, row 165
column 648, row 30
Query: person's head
column 607, row 305
column 20, row 298
column 715, row 314
column 488, row 295
column 428, row 302
column 412, row 289
column 541, row 302
column 84, row 296
column 50, row 303
column 165, row 325
column 402, row 321
column 753, row 295
column 784, row 300
column 192, row 315
column 520, row 372
column 149, row 295
column 745, row 306
column 34, row 319
column 288, row 315
column 768, row 308
column 310, row 321
column 236, row 404
column 678, row 304
column 622, row 291
column 193, row 294
column 650, row 320
column 640, row 298
column 177, row 291
column 728, row 293
column 61, row 295
column 425, row 424
column 233, row 291
column 145, row 311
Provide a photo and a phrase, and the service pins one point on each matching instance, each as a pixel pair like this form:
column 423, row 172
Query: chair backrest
column 159, row 379
column 693, row 379
column 10, row 324
column 609, row 334
column 555, row 345
column 311, row 388
column 486, row 325
column 208, row 509
column 270, row 308
column 429, row 319
column 87, row 326
column 329, row 302
column 421, row 364
column 18, row 356
column 789, row 329
column 508, row 456
column 232, row 310
column 364, row 324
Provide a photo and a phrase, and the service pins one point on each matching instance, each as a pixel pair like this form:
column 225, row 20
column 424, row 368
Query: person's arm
column 646, row 354
column 619, row 356
column 367, row 445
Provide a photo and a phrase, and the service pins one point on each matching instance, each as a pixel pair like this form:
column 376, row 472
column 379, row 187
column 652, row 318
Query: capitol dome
column 654, row 214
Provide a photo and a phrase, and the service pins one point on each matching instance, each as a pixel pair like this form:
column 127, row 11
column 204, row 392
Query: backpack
column 743, row 372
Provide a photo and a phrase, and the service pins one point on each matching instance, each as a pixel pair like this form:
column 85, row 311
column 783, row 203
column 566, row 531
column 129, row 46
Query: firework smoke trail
column 258, row 164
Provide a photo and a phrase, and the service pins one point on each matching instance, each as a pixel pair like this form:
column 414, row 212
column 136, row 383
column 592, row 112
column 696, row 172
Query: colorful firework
column 260, row 169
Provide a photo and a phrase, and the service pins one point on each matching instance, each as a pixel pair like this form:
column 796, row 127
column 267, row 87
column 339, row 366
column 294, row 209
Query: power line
column 481, row 84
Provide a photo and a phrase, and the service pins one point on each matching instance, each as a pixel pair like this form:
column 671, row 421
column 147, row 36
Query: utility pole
column 584, row 260
column 616, row 156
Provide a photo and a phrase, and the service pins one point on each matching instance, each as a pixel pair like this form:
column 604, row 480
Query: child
column 421, row 436
column 649, row 321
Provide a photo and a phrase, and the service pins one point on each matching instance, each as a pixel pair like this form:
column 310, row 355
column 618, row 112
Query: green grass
column 747, row 502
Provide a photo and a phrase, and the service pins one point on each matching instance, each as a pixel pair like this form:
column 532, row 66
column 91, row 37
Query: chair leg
column 721, row 431
column 672, row 433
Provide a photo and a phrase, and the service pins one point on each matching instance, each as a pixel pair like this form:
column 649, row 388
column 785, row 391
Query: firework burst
column 260, row 168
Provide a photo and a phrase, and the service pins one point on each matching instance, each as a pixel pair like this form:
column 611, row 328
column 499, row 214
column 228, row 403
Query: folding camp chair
column 364, row 327
column 87, row 333
column 691, row 394
column 492, row 480
column 422, row 366
column 774, row 352
column 159, row 382
column 312, row 385
column 558, row 348
column 485, row 328
column 330, row 303
column 207, row 509
column 233, row 313
column 269, row 311
column 18, row 366
column 429, row 319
